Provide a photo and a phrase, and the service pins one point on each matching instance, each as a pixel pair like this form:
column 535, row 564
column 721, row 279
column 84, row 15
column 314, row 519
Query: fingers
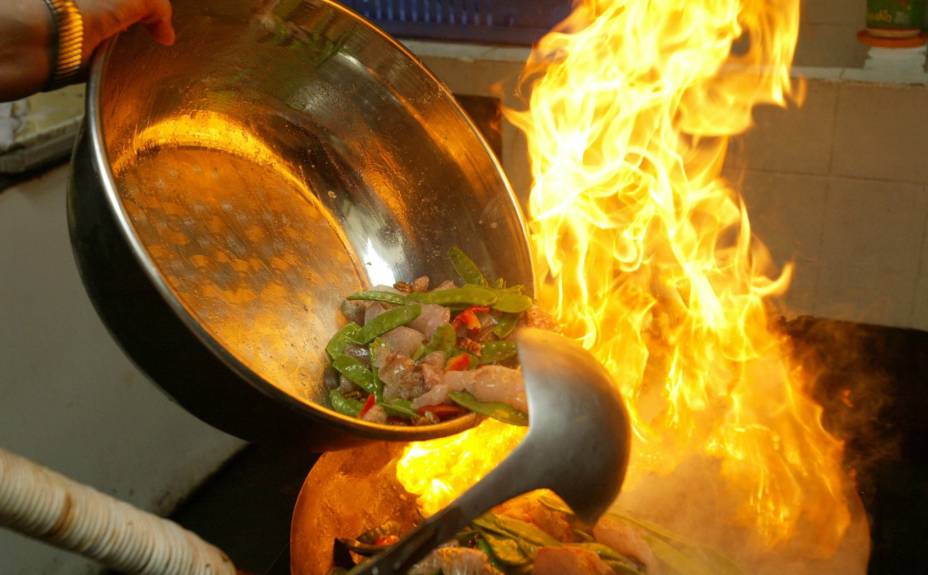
column 158, row 21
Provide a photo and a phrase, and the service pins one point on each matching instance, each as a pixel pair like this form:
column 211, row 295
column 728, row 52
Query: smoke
column 847, row 370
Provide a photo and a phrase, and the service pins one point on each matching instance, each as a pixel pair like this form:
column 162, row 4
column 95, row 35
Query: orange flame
column 646, row 255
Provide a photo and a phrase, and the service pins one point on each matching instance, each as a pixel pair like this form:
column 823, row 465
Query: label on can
column 895, row 14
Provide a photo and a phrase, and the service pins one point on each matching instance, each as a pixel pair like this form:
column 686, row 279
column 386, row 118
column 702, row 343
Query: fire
column 646, row 255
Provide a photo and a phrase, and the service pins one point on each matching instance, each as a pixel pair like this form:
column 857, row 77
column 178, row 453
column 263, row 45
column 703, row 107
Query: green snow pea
column 466, row 268
column 501, row 411
column 381, row 296
column 344, row 405
column 390, row 319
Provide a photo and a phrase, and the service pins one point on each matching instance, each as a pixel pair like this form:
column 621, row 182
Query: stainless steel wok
column 229, row 191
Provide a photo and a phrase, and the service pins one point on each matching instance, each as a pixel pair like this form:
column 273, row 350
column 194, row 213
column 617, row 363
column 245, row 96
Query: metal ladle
column 577, row 446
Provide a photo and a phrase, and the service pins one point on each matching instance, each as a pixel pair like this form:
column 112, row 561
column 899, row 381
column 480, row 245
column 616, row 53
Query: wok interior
column 274, row 161
column 347, row 493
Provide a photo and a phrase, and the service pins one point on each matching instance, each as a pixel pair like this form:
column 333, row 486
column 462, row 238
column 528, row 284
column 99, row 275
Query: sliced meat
column 400, row 378
column 447, row 284
column 432, row 375
column 455, row 561
column 436, row 359
column 619, row 535
column 421, row 283
column 380, row 355
column 431, row 316
column 376, row 414
column 491, row 383
column 373, row 311
column 331, row 378
column 438, row 394
column 354, row 310
column 345, row 385
column 539, row 318
column 569, row 561
column 403, row 340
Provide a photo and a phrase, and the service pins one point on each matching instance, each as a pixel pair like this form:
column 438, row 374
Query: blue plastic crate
column 520, row 22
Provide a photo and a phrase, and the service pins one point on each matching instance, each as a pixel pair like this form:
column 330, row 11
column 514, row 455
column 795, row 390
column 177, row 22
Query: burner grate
column 491, row 21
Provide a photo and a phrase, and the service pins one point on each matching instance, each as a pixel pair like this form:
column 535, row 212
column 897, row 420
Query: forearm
column 25, row 55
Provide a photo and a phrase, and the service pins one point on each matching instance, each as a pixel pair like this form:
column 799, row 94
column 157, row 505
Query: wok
column 229, row 191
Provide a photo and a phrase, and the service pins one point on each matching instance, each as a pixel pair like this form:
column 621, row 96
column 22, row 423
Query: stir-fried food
column 410, row 355
column 537, row 534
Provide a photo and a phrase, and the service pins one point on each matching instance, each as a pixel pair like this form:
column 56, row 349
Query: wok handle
column 48, row 506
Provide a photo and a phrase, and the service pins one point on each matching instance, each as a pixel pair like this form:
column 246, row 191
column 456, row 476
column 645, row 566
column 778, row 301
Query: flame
column 646, row 255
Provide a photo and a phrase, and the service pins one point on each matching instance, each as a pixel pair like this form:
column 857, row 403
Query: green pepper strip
column 467, row 295
column 358, row 374
column 390, row 319
column 344, row 405
column 342, row 339
column 466, row 268
column 382, row 296
column 497, row 351
column 501, row 411
column 399, row 408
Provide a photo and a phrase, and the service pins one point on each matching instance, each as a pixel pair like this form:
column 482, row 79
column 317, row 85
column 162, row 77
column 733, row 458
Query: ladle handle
column 45, row 505
column 502, row 484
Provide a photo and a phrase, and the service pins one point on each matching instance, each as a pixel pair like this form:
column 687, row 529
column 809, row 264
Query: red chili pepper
column 371, row 400
column 468, row 318
column 460, row 362
column 385, row 540
column 443, row 411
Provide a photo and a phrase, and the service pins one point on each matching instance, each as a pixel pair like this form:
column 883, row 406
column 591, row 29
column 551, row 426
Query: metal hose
column 47, row 506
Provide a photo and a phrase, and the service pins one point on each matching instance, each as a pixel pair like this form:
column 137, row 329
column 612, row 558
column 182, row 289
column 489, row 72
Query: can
column 895, row 18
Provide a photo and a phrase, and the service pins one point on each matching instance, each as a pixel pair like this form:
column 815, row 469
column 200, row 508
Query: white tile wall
column 882, row 132
column 870, row 263
column 837, row 186
column 794, row 140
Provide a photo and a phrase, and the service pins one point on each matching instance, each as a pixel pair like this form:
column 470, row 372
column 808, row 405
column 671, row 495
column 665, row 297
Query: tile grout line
column 920, row 267
column 830, row 176
column 820, row 268
column 834, row 131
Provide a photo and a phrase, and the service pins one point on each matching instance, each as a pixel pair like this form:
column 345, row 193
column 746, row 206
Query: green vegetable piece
column 357, row 373
column 515, row 529
column 505, row 550
column 344, row 337
column 443, row 339
column 466, row 268
column 390, row 319
column 500, row 411
column 467, row 295
column 482, row 544
column 511, row 302
column 382, row 296
column 344, row 405
column 506, row 324
column 678, row 554
column 497, row 351
column 399, row 408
